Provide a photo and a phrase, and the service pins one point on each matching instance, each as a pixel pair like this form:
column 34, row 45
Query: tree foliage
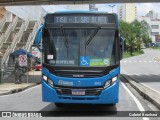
column 135, row 34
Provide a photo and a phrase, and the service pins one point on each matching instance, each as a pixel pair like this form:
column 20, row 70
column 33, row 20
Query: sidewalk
column 147, row 93
column 9, row 88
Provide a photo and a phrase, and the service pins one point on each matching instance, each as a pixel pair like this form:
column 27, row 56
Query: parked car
column 38, row 67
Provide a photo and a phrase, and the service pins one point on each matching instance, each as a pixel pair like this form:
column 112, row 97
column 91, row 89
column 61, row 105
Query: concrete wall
column 78, row 7
column 27, row 12
column 2, row 12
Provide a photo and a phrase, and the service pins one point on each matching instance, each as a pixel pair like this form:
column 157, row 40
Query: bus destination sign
column 81, row 19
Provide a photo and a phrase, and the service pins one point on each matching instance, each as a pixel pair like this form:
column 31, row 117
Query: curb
column 144, row 91
column 18, row 89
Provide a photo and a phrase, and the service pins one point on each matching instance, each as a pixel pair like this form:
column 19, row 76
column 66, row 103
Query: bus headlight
column 50, row 82
column 113, row 80
column 110, row 82
column 107, row 83
column 45, row 78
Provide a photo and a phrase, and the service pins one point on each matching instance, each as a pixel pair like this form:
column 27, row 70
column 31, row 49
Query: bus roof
column 81, row 11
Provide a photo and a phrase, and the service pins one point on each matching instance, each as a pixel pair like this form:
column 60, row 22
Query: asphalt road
column 30, row 100
column 145, row 68
column 129, row 99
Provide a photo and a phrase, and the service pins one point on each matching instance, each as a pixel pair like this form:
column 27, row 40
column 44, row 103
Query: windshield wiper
column 65, row 38
column 92, row 36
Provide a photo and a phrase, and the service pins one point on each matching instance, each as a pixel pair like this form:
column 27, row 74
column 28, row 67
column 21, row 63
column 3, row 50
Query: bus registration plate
column 78, row 92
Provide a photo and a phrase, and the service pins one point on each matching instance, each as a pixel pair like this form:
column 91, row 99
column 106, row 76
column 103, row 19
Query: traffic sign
column 22, row 60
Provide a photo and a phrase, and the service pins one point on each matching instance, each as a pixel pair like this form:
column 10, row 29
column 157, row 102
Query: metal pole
column 1, row 72
column 27, row 66
column 112, row 7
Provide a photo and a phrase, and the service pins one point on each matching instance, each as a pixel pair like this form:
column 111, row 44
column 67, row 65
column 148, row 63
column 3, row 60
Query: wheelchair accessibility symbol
column 84, row 60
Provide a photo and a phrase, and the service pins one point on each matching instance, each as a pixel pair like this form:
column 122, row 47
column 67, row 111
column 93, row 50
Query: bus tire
column 59, row 104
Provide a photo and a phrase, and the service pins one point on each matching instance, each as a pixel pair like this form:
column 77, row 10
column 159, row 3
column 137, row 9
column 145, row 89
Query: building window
column 154, row 33
column 155, row 26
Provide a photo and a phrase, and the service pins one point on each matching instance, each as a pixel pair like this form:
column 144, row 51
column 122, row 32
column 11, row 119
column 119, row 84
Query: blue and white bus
column 81, row 54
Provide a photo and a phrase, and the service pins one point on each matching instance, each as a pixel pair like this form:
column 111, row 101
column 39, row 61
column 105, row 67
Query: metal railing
column 8, row 31
column 14, row 23
column 1, row 40
column 4, row 38
column 5, row 55
column 23, row 28
column 31, row 37
column 26, row 25
column 16, row 40
column 18, row 37
column 10, row 28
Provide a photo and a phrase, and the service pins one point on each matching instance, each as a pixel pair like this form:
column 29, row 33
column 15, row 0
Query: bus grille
column 79, row 73
column 88, row 92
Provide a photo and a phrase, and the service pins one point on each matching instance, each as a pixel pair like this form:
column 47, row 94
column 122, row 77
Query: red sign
column 22, row 60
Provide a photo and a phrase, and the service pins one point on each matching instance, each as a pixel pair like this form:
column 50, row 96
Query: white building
column 152, row 15
column 154, row 27
column 152, row 19
column 127, row 12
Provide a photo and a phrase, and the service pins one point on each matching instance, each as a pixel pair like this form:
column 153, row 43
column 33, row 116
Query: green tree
column 146, row 40
column 135, row 34
column 127, row 31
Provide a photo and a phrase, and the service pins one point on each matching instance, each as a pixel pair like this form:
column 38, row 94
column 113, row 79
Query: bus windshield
column 90, row 47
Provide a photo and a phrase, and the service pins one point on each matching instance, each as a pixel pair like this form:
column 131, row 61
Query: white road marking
column 140, row 61
column 140, row 107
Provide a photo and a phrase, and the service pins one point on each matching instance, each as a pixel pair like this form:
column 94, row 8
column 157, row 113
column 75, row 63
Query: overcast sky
column 142, row 8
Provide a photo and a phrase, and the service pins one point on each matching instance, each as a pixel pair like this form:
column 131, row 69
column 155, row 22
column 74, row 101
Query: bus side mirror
column 122, row 47
column 39, row 37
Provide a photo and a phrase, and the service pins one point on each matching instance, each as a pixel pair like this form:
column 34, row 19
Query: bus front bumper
column 107, row 96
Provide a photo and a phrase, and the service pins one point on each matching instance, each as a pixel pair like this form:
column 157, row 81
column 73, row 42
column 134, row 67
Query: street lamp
column 112, row 7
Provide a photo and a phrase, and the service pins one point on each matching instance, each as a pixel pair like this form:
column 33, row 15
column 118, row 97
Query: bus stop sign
column 22, row 60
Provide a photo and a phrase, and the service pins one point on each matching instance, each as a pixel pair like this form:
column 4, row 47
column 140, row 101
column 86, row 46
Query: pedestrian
column 18, row 73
